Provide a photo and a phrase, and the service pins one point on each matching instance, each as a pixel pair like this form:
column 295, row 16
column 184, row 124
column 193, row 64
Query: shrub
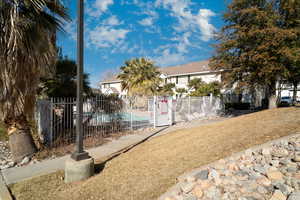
column 237, row 106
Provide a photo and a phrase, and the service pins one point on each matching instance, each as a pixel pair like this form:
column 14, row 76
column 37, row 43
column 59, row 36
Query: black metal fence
column 102, row 117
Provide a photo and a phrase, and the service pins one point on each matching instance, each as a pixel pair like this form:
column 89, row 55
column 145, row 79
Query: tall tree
column 289, row 11
column 27, row 50
column 253, row 46
column 140, row 77
column 62, row 83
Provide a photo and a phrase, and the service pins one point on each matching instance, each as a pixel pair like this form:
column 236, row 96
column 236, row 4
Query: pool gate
column 108, row 115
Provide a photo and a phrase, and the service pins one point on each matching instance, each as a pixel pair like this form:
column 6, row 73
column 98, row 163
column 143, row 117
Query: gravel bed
column 271, row 172
column 5, row 156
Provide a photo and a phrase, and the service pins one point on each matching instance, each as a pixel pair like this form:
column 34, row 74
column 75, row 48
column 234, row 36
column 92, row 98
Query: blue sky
column 170, row 32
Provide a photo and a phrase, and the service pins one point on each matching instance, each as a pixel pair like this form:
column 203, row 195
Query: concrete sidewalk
column 13, row 175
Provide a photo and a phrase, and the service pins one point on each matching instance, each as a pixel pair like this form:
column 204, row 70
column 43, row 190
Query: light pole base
column 78, row 170
column 80, row 156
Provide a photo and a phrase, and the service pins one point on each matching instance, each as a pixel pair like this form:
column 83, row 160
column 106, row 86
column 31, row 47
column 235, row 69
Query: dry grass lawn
column 148, row 170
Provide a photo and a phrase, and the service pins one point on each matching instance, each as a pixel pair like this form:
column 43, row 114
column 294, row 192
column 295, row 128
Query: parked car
column 286, row 100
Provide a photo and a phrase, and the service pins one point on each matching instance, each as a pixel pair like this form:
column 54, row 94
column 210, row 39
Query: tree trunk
column 21, row 144
column 272, row 96
column 295, row 84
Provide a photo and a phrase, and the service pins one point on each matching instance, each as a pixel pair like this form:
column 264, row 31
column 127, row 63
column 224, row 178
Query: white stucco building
column 181, row 74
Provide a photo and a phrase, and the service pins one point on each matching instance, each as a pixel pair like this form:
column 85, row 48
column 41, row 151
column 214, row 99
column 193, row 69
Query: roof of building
column 189, row 68
column 194, row 67
column 112, row 89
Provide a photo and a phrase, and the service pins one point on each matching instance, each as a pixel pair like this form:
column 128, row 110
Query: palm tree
column 27, row 51
column 62, row 83
column 167, row 90
column 140, row 77
column 181, row 91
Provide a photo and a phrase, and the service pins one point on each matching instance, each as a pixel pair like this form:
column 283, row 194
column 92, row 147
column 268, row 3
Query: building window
column 176, row 79
column 189, row 78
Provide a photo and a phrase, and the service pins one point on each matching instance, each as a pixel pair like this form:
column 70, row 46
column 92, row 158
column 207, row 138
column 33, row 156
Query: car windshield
column 286, row 98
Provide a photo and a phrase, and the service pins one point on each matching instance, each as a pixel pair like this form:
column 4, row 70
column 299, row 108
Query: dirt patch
column 148, row 170
column 90, row 142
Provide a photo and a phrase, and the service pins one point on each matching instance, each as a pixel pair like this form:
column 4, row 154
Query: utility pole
column 80, row 166
column 79, row 153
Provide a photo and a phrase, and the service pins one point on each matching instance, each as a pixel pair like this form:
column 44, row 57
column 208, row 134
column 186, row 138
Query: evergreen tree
column 289, row 11
column 63, row 81
column 253, row 48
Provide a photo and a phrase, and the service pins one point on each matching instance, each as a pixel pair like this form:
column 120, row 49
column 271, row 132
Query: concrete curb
column 4, row 192
column 177, row 187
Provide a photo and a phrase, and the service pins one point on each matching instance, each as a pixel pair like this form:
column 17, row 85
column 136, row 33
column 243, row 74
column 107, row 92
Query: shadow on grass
column 100, row 164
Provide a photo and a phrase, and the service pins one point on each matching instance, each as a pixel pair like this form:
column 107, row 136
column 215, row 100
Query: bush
column 283, row 104
column 237, row 106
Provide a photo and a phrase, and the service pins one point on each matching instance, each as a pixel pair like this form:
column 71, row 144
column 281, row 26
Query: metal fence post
column 154, row 111
column 189, row 106
column 171, row 110
column 51, row 122
column 131, row 120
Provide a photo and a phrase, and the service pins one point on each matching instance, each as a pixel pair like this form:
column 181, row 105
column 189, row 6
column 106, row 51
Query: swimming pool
column 124, row 116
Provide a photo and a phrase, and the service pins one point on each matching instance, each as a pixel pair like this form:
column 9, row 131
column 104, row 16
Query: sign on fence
column 163, row 111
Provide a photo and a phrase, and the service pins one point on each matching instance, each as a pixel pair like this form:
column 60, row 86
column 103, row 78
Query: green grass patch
column 3, row 135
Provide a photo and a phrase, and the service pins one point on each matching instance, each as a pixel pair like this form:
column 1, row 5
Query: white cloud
column 70, row 29
column 104, row 36
column 168, row 58
column 125, row 48
column 183, row 42
column 180, row 8
column 207, row 29
column 99, row 7
column 112, row 21
column 187, row 21
column 147, row 21
column 147, row 10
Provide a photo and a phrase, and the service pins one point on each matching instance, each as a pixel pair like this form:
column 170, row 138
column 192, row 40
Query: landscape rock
column 187, row 187
column 202, row 175
column 25, row 161
column 5, row 156
column 271, row 173
column 296, row 157
column 197, row 191
column 294, row 196
column 266, row 151
column 274, row 175
column 189, row 197
column 278, row 195
column 279, row 152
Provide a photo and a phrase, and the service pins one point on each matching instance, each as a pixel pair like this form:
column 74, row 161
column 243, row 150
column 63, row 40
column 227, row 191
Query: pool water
column 122, row 116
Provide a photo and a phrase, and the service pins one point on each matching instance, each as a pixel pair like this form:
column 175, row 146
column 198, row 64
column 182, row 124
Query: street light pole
column 79, row 153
